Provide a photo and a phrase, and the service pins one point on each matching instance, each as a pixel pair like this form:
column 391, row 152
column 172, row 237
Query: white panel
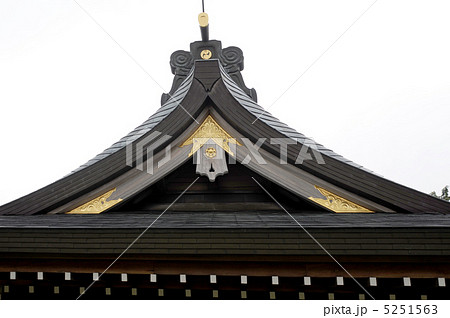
column 95, row 276
column 212, row 279
column 373, row 281
column 182, row 278
column 40, row 275
column 274, row 280
column 124, row 277
column 441, row 282
column 406, row 281
column 307, row 280
column 67, row 275
column 340, row 281
column 12, row 275
column 153, row 278
column 243, row 279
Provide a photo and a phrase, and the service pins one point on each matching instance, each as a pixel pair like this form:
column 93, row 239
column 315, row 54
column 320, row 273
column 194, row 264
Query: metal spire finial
column 204, row 24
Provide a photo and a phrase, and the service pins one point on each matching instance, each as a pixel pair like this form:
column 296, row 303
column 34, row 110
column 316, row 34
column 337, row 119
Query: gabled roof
column 216, row 86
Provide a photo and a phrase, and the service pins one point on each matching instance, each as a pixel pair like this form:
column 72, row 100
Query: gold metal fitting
column 203, row 19
column 206, row 54
column 210, row 152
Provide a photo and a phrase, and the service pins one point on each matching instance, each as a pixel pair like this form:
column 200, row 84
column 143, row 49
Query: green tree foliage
column 443, row 196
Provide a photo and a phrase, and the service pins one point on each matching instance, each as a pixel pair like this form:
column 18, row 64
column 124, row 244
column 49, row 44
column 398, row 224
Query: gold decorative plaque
column 210, row 152
column 210, row 129
column 97, row 205
column 337, row 203
column 206, row 54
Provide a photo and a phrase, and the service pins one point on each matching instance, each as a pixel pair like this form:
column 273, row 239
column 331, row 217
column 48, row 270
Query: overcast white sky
column 379, row 96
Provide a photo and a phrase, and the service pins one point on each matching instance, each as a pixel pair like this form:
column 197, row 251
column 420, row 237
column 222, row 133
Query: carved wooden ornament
column 97, row 205
column 338, row 204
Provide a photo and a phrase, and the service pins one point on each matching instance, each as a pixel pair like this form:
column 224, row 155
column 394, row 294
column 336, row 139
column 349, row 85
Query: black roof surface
column 210, row 220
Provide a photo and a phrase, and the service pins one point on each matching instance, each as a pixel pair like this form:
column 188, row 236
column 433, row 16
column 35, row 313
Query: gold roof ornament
column 203, row 19
column 97, row 205
column 210, row 152
column 206, row 54
column 337, row 203
column 210, row 130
